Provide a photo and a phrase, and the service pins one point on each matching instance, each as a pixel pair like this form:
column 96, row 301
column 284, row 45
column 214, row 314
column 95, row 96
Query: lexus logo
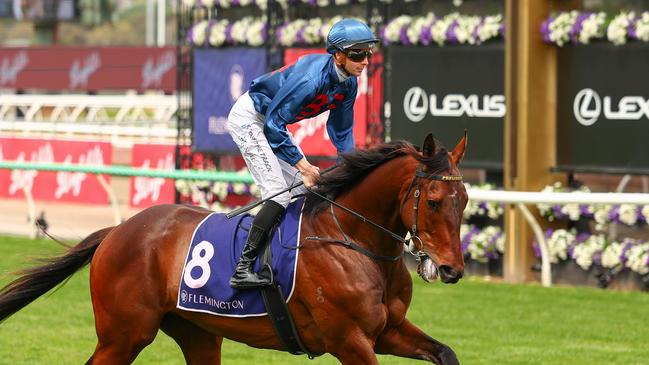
column 416, row 104
column 588, row 106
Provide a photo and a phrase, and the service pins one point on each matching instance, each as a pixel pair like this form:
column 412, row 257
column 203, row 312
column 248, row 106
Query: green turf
column 485, row 323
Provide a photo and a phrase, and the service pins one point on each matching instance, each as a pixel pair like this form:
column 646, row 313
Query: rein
column 419, row 173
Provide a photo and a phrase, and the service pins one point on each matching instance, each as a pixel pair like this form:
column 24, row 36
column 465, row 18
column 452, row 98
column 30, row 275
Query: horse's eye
column 432, row 204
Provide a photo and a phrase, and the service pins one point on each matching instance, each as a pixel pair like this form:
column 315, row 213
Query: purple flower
column 403, row 35
column 629, row 243
column 235, row 3
column 299, row 37
column 228, row 34
column 386, row 42
column 545, row 29
column 632, row 31
column 573, row 34
column 426, row 36
column 450, row 32
column 475, row 34
column 503, row 29
column 614, row 214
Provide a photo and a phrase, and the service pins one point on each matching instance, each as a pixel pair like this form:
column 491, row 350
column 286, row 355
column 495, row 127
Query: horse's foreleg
column 406, row 340
column 198, row 346
column 353, row 350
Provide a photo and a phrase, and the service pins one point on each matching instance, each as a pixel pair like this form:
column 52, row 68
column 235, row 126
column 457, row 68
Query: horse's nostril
column 448, row 274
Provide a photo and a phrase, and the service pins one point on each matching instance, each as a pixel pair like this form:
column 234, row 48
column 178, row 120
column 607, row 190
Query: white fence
column 113, row 115
column 521, row 198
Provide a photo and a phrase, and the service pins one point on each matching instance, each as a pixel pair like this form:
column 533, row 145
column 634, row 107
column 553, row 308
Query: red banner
column 311, row 134
column 88, row 68
column 145, row 191
column 76, row 187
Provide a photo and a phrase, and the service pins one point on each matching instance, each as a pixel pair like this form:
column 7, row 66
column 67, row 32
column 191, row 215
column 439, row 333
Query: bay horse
column 346, row 302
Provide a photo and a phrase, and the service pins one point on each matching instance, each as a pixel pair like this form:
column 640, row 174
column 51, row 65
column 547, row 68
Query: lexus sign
column 416, row 105
column 603, row 109
column 446, row 90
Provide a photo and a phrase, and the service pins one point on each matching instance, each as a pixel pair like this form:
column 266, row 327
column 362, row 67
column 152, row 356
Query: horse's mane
column 354, row 166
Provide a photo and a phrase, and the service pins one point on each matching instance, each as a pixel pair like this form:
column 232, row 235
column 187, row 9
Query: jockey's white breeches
column 271, row 174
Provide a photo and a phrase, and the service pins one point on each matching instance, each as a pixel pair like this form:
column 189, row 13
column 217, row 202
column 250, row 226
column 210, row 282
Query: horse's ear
column 429, row 146
column 458, row 152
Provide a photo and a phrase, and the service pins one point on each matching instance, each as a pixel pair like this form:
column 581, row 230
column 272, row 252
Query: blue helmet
column 350, row 33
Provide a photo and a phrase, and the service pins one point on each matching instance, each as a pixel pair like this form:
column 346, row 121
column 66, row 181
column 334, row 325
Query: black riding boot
column 267, row 217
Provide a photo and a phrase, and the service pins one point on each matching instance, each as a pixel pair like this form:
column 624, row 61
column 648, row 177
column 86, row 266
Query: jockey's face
column 354, row 60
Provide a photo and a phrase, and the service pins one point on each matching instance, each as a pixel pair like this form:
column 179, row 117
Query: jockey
column 257, row 122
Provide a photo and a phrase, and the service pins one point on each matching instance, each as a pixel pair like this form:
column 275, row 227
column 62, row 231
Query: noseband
column 419, row 174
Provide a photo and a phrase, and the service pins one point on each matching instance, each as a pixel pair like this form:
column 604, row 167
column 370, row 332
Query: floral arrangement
column 301, row 32
column 595, row 250
column 262, row 4
column 483, row 209
column 602, row 214
column 213, row 194
column 249, row 31
column 582, row 27
column 449, row 29
column 482, row 244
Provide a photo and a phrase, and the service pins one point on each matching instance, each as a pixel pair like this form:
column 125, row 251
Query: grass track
column 485, row 323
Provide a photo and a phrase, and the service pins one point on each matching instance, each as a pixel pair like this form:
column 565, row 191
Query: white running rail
column 521, row 198
column 115, row 115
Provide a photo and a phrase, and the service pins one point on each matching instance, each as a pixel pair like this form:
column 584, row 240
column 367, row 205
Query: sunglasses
column 358, row 56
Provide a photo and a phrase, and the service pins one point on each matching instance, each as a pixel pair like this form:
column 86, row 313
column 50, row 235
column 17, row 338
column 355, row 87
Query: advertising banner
column 75, row 187
column 311, row 134
column 603, row 108
column 220, row 77
column 88, row 68
column 445, row 90
column 148, row 191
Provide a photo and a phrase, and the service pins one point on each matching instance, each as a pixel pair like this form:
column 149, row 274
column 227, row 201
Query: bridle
column 416, row 180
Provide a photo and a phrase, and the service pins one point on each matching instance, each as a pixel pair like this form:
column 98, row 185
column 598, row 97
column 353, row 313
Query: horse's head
column 432, row 209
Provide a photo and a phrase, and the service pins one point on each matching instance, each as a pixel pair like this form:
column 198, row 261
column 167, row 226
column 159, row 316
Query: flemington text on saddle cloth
column 213, row 254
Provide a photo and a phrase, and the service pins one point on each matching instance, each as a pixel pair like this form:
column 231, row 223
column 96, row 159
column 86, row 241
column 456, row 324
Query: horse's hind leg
column 121, row 336
column 198, row 346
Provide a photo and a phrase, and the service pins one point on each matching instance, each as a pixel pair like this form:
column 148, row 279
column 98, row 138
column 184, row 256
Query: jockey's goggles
column 358, row 55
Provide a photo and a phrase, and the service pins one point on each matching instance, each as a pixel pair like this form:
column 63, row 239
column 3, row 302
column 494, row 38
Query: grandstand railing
column 519, row 198
column 150, row 115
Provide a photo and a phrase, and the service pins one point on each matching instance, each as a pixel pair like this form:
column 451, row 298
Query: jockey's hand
column 310, row 173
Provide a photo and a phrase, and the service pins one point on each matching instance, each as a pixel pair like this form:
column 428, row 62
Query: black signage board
column 603, row 108
column 445, row 90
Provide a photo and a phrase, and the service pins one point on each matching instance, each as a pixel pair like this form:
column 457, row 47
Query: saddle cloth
column 213, row 254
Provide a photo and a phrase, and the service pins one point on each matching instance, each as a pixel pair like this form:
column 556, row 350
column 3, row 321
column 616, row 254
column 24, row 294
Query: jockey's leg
column 267, row 217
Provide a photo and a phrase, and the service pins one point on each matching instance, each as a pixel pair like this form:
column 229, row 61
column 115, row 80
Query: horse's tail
column 36, row 281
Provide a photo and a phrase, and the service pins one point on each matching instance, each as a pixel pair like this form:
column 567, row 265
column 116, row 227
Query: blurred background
column 553, row 94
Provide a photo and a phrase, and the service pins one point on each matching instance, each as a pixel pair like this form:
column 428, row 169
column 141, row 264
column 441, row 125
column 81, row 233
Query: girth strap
column 277, row 309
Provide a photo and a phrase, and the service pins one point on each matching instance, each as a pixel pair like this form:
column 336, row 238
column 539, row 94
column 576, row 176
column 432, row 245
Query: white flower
column 189, row 2
column 182, row 186
column 311, row 32
column 592, row 27
column 240, row 28
column 393, row 28
column 559, row 243
column 584, row 252
column 262, row 4
column 439, row 28
column 289, row 32
column 207, row 3
column 637, row 258
column 600, row 214
column 239, row 188
column 628, row 214
column 217, row 33
column 561, row 26
column 642, row 27
column 245, row 2
column 198, row 32
column 220, row 189
column 611, row 256
column 417, row 25
column 223, row 3
column 466, row 26
column 490, row 28
column 617, row 29
column 254, row 33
